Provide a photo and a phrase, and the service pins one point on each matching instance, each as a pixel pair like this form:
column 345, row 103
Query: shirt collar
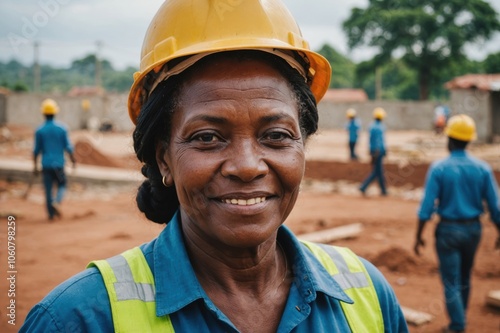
column 175, row 281
column 177, row 286
column 458, row 152
column 310, row 275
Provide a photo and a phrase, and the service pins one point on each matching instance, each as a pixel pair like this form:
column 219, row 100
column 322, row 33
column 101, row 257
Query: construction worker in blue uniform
column 353, row 126
column 377, row 151
column 455, row 189
column 52, row 141
column 224, row 102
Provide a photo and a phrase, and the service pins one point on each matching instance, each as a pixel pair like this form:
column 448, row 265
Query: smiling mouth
column 243, row 202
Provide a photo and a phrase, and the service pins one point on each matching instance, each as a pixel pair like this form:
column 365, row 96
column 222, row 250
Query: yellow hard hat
column 49, row 107
column 183, row 28
column 85, row 105
column 461, row 127
column 379, row 113
column 350, row 113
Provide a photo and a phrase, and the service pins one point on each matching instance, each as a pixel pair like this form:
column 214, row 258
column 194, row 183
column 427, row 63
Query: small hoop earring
column 164, row 181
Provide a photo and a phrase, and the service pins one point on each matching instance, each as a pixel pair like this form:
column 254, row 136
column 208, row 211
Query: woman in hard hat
column 377, row 152
column 459, row 183
column 223, row 104
column 51, row 141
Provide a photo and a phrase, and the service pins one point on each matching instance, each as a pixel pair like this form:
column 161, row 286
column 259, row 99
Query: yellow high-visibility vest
column 130, row 285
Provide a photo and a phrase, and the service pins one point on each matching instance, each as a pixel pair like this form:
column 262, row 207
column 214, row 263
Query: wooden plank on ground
column 415, row 317
column 329, row 235
column 493, row 298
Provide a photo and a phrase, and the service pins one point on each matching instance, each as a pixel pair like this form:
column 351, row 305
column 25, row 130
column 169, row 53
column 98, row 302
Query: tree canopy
column 399, row 80
column 343, row 69
column 428, row 36
column 18, row 77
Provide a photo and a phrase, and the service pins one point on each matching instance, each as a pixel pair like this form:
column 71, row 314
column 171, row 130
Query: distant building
column 345, row 95
column 3, row 105
column 4, row 91
column 86, row 91
column 478, row 95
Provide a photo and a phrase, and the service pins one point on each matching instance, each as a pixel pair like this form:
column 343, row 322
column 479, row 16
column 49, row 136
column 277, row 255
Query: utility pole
column 378, row 83
column 98, row 67
column 36, row 67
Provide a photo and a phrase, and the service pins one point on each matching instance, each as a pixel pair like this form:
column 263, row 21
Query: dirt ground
column 101, row 221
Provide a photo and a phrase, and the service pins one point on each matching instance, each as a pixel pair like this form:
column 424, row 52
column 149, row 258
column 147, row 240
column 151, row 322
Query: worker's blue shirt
column 377, row 140
column 81, row 303
column 51, row 140
column 460, row 183
column 353, row 126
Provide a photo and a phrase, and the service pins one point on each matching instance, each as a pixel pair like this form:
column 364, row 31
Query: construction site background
column 100, row 217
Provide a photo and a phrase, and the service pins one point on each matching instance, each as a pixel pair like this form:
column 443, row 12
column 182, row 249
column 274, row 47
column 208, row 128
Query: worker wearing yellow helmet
column 353, row 126
column 51, row 141
column 455, row 189
column 377, row 151
column 49, row 107
column 379, row 113
column 224, row 102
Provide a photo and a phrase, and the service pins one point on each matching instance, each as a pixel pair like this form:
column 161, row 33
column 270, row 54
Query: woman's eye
column 277, row 136
column 206, row 138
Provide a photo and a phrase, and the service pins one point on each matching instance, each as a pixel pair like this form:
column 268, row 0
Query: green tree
column 492, row 63
column 398, row 80
column 119, row 81
column 429, row 36
column 343, row 69
column 20, row 87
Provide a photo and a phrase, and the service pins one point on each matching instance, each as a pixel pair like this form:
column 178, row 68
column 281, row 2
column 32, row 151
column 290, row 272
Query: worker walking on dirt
column 377, row 151
column 353, row 127
column 455, row 188
column 51, row 141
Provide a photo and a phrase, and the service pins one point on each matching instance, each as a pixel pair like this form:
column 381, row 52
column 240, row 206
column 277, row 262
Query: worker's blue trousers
column 53, row 176
column 456, row 245
column 352, row 150
column 377, row 173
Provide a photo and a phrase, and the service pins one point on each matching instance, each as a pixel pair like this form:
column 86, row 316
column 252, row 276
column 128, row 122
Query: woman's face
column 236, row 153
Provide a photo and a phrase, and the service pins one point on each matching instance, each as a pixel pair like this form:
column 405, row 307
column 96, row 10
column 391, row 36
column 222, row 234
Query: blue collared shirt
column 353, row 126
column 81, row 303
column 377, row 141
column 459, row 184
column 51, row 140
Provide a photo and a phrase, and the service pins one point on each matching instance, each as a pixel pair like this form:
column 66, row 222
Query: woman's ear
column 161, row 160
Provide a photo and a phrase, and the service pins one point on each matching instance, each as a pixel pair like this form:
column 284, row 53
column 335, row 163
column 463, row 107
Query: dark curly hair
column 159, row 203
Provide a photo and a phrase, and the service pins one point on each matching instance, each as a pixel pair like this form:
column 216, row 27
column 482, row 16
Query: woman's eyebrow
column 276, row 117
column 209, row 119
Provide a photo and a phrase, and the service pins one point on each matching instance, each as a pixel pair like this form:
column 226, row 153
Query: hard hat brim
column 320, row 67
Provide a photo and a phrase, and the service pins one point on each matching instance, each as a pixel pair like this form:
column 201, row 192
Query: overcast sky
column 70, row 29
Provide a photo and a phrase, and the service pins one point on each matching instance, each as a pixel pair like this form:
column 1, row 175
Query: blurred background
column 417, row 60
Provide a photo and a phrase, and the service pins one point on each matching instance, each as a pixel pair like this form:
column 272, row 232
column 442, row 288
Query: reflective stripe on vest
column 130, row 285
column 365, row 314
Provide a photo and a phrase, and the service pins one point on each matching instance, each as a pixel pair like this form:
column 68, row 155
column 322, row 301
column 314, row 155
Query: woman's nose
column 245, row 161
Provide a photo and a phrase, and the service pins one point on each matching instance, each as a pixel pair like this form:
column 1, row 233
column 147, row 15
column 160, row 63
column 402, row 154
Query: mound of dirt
column 395, row 175
column 86, row 153
column 400, row 260
column 410, row 175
